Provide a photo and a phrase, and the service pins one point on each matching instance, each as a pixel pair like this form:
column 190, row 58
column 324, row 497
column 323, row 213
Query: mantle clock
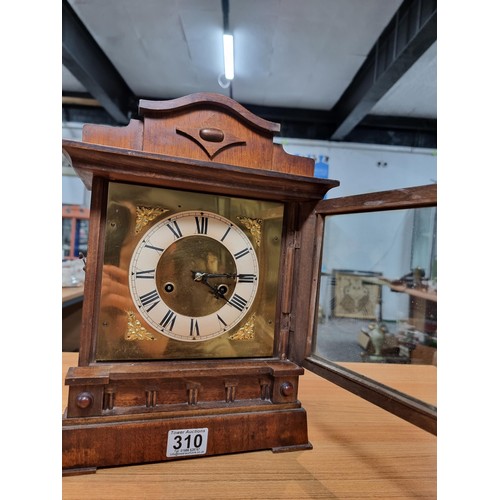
column 195, row 264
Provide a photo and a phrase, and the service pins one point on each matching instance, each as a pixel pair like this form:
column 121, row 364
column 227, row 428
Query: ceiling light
column 228, row 56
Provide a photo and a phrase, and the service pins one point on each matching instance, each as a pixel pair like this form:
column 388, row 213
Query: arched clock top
column 201, row 99
column 206, row 127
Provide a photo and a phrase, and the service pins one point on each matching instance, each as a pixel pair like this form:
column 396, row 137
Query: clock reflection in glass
column 194, row 276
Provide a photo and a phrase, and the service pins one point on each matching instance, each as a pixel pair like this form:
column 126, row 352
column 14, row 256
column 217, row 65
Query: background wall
column 363, row 168
column 73, row 190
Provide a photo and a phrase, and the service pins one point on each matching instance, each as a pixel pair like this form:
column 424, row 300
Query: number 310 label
column 185, row 442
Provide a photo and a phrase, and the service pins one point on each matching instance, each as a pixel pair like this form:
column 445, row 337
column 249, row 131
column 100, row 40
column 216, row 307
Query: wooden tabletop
column 359, row 451
column 71, row 293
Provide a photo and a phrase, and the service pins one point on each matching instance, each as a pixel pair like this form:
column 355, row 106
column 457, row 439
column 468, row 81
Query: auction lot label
column 185, row 442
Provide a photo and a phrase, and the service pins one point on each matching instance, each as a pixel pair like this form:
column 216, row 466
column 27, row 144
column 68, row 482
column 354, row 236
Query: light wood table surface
column 359, row 452
column 70, row 294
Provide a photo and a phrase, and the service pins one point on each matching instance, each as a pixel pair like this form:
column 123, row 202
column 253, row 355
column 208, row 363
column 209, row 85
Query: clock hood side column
column 93, row 270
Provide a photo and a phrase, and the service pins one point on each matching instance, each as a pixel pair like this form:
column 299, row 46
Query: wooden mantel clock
column 192, row 273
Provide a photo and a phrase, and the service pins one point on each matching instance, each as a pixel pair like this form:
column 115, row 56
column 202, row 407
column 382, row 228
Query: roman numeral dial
column 194, row 276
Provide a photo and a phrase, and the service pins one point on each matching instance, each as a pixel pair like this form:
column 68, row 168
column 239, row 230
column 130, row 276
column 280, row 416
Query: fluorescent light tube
column 228, row 56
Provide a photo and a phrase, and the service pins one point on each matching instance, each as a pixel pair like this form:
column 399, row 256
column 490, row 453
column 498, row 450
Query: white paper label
column 185, row 442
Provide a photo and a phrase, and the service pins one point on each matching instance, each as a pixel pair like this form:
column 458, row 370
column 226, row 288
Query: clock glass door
column 376, row 301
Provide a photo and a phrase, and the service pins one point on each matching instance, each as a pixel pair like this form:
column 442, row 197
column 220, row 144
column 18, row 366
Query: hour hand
column 218, row 291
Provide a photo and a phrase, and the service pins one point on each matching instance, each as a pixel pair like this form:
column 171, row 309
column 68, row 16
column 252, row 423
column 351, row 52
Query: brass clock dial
column 188, row 275
column 194, row 276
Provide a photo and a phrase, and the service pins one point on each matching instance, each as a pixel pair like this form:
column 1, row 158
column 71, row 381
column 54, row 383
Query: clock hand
column 199, row 276
column 202, row 277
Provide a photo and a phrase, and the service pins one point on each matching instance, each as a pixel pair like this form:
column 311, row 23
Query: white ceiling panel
column 415, row 93
column 288, row 53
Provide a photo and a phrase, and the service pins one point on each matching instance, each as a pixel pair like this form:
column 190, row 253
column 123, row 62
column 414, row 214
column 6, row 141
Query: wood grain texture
column 144, row 167
column 204, row 99
column 360, row 452
column 412, row 197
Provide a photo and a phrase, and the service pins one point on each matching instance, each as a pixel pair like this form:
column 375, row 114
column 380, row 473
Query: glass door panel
column 374, row 326
column 373, row 307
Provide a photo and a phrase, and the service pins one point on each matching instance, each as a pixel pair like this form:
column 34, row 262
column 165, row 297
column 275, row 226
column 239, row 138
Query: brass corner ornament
column 144, row 215
column 254, row 226
column 247, row 331
column 135, row 331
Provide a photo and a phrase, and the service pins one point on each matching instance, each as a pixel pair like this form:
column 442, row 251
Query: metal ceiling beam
column 395, row 131
column 87, row 62
column 408, row 35
column 412, row 30
column 400, row 123
column 278, row 114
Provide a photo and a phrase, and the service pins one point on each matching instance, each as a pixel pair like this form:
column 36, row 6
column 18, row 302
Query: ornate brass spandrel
column 254, row 226
column 144, row 215
column 247, row 331
column 135, row 330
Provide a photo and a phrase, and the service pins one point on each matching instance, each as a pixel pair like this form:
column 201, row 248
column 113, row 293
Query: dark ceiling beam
column 412, row 30
column 91, row 67
column 400, row 123
column 278, row 114
column 408, row 35
column 395, row 131
column 73, row 113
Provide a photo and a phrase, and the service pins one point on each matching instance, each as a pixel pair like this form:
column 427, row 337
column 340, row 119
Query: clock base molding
column 91, row 443
column 124, row 413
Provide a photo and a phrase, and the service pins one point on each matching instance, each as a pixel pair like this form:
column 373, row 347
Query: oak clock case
column 188, row 275
column 198, row 260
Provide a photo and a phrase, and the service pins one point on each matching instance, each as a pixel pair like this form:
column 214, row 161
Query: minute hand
column 198, row 276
